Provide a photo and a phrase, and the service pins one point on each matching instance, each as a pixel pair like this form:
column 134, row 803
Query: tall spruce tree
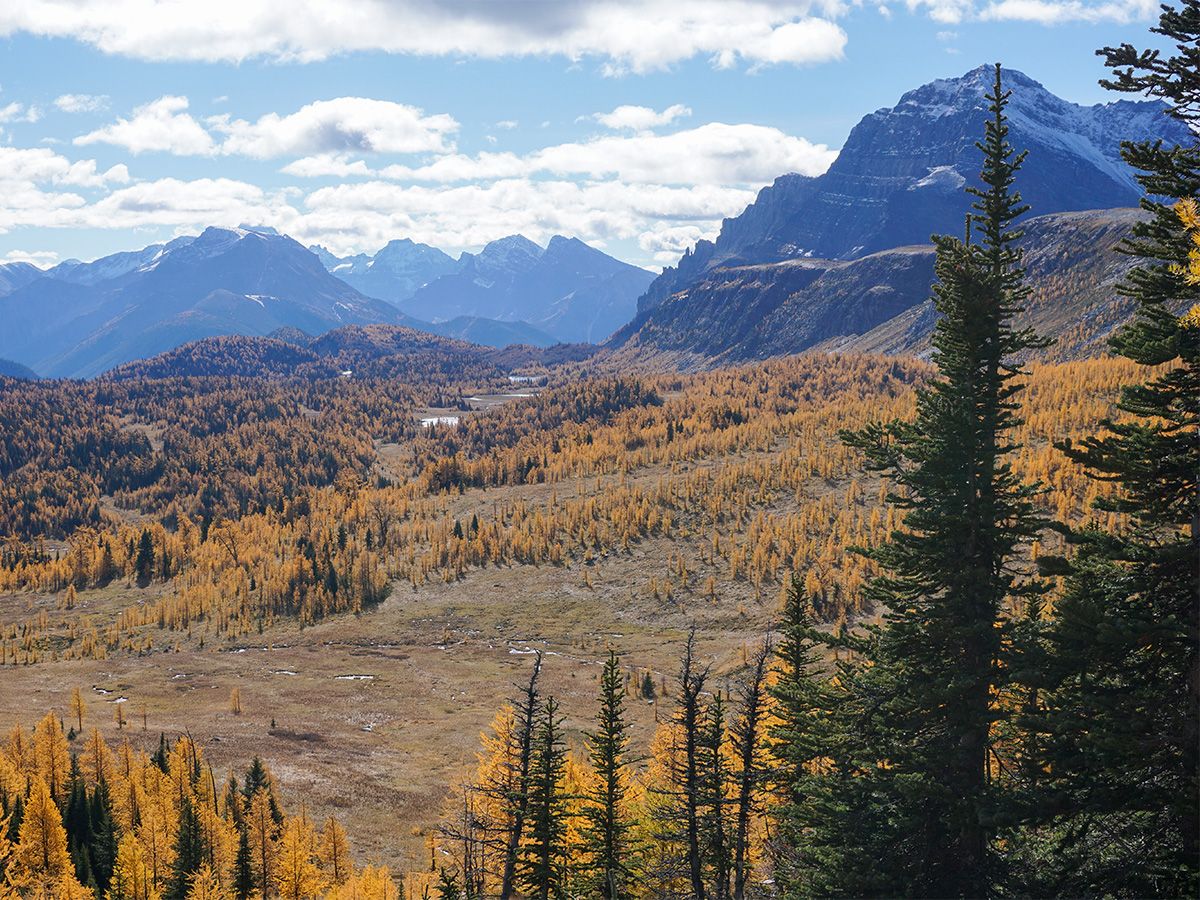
column 243, row 866
column 951, row 575
column 543, row 858
column 607, row 834
column 189, row 850
column 822, row 813
column 1123, row 692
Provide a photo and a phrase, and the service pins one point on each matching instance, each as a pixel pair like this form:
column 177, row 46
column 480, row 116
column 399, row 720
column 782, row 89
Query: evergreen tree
column 515, row 789
column 713, row 802
column 746, row 741
column 607, row 834
column 934, row 669
column 447, row 887
column 1123, row 686
column 144, row 562
column 686, row 769
column 189, row 850
column 243, row 867
column 104, row 836
column 77, row 820
column 162, row 756
column 543, row 866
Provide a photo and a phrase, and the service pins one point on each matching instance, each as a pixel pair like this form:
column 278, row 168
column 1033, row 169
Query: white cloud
column 627, row 35
column 641, row 118
column 1043, row 12
column 18, row 112
column 40, row 258
column 666, row 242
column 1054, row 12
column 41, row 165
column 507, row 124
column 344, row 125
column 351, row 217
column 327, row 165
column 709, row 154
column 162, row 125
column 81, row 103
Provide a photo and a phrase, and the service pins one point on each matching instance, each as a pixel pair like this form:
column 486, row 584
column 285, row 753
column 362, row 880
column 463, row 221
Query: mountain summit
column 79, row 319
column 900, row 175
column 566, row 291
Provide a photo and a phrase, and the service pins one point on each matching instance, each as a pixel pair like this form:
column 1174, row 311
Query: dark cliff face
column 900, row 176
column 880, row 302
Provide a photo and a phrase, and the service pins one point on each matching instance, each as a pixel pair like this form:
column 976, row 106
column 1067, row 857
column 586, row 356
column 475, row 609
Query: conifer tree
column 243, row 867
column 607, row 834
column 1123, row 698
column 809, row 760
column 104, row 836
column 950, row 576
column 713, row 801
column 543, row 866
column 686, row 771
column 515, row 787
column 189, row 850
column 746, row 740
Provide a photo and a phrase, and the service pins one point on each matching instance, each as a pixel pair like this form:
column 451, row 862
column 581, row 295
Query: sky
column 635, row 126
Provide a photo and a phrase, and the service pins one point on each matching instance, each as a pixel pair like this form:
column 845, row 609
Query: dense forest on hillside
column 971, row 586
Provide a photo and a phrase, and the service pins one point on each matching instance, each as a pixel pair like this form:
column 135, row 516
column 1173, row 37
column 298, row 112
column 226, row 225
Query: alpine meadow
column 416, row 484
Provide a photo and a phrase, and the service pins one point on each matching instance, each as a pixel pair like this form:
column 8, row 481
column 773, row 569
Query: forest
column 929, row 628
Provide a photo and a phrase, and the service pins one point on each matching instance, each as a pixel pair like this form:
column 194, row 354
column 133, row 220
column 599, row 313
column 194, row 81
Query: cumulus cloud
column 641, row 118
column 1043, row 12
column 40, row 258
column 19, row 112
column 163, row 125
column 1053, row 12
column 666, row 241
column 81, row 103
column 350, row 217
column 624, row 35
column 327, row 165
column 344, row 125
column 715, row 153
column 39, row 165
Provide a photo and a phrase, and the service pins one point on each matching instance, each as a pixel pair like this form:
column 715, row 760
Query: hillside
column 880, row 303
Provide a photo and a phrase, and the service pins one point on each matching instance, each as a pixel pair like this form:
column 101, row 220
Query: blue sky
column 634, row 126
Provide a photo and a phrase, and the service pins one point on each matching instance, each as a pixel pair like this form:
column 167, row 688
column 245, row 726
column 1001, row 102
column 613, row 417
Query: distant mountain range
column 838, row 261
column 565, row 291
column 819, row 261
column 80, row 319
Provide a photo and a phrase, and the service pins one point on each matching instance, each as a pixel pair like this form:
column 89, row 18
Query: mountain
column 568, row 290
column 17, row 274
column 10, row 369
column 1074, row 270
column 491, row 333
column 393, row 274
column 899, row 177
column 880, row 303
column 80, row 319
